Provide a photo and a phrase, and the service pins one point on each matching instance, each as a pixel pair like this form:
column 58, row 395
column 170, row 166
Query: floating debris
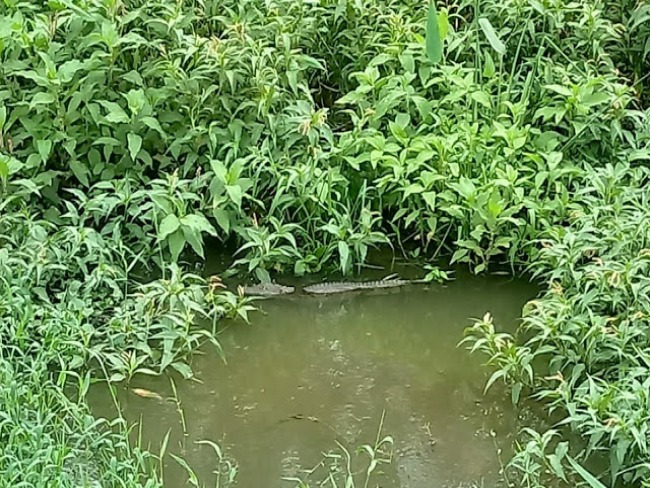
column 142, row 393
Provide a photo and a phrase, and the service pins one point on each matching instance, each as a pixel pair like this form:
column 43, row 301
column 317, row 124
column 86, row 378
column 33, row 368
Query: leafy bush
column 308, row 133
column 589, row 328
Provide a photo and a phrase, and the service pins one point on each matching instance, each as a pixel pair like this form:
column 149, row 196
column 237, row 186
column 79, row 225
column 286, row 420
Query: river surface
column 311, row 375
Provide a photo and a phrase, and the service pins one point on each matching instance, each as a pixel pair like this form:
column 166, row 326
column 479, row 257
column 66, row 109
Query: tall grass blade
column 589, row 478
column 433, row 40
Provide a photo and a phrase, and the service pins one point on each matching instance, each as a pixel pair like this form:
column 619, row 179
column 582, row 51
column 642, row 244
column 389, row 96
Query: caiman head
column 268, row 289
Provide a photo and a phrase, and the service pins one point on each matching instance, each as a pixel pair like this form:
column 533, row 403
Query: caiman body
column 268, row 290
column 347, row 286
column 327, row 288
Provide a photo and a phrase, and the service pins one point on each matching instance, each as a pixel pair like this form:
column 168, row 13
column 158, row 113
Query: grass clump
column 133, row 133
column 69, row 303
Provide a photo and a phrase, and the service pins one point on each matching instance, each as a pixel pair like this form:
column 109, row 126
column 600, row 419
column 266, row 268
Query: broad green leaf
column 222, row 218
column 55, row 5
column 70, row 145
column 4, row 169
column 163, row 204
column 44, row 148
column 408, row 62
column 199, row 223
column 110, row 35
column 193, row 237
column 116, row 114
column 411, row 189
column 135, row 144
column 595, row 98
column 107, row 141
column 68, row 69
column 80, row 171
column 33, row 161
column 492, row 37
column 398, row 132
column 116, row 378
column 235, row 193
column 38, row 99
column 135, row 100
column 176, row 244
column 433, row 39
column 482, row 98
column 82, row 12
column 220, row 170
column 423, row 105
column 50, row 68
column 29, row 185
column 403, row 120
column 168, row 225
column 155, row 125
column 351, row 98
column 465, row 187
column 311, row 62
column 133, row 77
column 460, row 256
column 183, row 369
column 430, row 199
column 299, row 269
column 14, row 165
column 35, row 77
column 292, row 78
column 555, row 459
column 488, row 68
column 562, row 90
column 639, row 154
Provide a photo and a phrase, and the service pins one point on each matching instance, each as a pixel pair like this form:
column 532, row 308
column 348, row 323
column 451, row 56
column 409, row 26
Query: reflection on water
column 337, row 363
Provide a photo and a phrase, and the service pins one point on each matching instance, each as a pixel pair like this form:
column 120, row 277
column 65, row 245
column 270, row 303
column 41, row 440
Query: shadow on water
column 313, row 371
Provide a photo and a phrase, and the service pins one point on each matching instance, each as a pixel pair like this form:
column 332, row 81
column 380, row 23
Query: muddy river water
column 311, row 375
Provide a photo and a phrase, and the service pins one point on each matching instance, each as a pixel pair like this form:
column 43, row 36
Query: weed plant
column 134, row 133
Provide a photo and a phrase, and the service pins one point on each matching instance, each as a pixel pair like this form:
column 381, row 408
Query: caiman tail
column 347, row 286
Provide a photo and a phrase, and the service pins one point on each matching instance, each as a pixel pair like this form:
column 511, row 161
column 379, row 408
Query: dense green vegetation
column 134, row 133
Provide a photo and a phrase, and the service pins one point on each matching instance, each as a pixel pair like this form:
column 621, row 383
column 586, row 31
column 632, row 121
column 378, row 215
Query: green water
column 343, row 361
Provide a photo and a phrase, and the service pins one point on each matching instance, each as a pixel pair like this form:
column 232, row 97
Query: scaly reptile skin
column 346, row 286
column 268, row 290
column 274, row 289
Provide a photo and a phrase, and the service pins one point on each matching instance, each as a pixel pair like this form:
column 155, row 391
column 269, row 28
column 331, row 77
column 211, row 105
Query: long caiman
column 346, row 286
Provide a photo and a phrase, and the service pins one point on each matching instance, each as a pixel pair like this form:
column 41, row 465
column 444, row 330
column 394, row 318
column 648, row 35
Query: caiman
column 267, row 290
column 346, row 286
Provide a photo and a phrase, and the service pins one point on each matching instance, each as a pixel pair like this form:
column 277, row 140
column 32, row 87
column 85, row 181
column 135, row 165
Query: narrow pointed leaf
column 584, row 474
column 492, row 36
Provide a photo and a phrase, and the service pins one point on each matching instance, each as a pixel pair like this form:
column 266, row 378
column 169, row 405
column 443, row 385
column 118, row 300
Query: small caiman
column 346, row 286
column 267, row 290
